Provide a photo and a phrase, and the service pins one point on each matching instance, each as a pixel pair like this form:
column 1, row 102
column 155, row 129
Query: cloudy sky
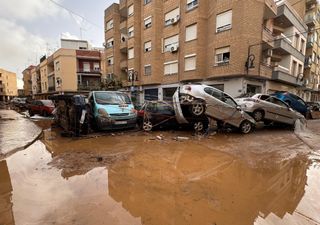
column 32, row 28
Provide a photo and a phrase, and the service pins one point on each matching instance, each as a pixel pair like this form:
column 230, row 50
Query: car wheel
column 258, row 115
column 147, row 125
column 197, row 109
column 44, row 113
column 246, row 127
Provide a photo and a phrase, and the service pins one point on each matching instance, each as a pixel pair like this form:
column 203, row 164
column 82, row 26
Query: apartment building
column 72, row 69
column 311, row 66
column 241, row 47
column 27, row 80
column 8, row 85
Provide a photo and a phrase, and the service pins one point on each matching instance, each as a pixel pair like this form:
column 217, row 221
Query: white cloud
column 27, row 9
column 19, row 47
column 67, row 35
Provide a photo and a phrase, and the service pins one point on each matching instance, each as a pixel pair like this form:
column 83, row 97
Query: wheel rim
column 246, row 127
column 197, row 109
column 198, row 126
column 258, row 115
column 147, row 126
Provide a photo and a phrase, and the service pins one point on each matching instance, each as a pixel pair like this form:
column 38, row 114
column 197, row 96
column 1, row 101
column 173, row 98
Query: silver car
column 196, row 100
column 267, row 108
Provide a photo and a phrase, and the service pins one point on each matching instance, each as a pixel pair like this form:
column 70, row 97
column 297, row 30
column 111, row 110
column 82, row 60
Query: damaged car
column 196, row 100
column 161, row 114
column 109, row 110
column 269, row 109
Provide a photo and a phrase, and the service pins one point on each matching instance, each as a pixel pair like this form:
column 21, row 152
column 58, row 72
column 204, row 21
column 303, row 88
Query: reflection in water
column 6, row 215
column 212, row 190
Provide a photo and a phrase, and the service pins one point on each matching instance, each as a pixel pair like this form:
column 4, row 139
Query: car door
column 215, row 106
column 165, row 113
column 233, row 115
column 280, row 111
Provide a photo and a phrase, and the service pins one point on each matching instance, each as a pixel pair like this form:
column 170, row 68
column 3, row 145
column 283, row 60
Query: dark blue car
column 293, row 101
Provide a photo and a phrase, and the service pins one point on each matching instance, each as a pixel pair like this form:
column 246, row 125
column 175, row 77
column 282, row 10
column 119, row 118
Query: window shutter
column 224, row 19
column 130, row 10
column 190, row 63
column 172, row 14
column 191, row 32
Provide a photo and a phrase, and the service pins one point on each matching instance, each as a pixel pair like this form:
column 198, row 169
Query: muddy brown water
column 267, row 177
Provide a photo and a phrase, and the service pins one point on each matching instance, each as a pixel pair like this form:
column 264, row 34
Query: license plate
column 83, row 116
column 120, row 122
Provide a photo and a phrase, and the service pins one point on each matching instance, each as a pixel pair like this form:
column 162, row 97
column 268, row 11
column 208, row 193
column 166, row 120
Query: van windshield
column 111, row 98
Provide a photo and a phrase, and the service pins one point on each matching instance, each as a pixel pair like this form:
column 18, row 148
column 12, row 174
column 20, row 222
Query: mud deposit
column 268, row 177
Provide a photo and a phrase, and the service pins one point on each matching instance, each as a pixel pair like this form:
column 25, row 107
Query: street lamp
column 132, row 76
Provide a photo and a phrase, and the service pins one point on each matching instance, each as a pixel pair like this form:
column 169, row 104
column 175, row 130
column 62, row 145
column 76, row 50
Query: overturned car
column 196, row 100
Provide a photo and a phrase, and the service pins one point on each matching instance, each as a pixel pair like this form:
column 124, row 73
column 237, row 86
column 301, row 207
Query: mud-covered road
column 271, row 176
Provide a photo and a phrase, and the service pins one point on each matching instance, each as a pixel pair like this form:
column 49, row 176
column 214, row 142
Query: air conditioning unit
column 174, row 48
column 269, row 52
column 175, row 19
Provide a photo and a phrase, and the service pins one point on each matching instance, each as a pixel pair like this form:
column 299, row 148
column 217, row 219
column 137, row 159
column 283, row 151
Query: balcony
column 310, row 42
column 308, row 62
column 267, row 38
column 270, row 10
column 283, row 46
column 124, row 64
column 310, row 19
column 288, row 17
column 89, row 87
column 51, row 88
column 94, row 72
column 281, row 74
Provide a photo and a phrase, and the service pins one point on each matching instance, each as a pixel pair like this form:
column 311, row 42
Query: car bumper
column 114, row 124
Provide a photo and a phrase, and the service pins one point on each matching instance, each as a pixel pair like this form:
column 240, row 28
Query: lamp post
column 133, row 76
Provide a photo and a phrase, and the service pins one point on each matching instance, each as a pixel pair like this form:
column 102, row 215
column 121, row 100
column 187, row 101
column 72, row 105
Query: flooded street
column 268, row 177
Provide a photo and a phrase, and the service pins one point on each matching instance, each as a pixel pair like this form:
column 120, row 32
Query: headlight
column 102, row 113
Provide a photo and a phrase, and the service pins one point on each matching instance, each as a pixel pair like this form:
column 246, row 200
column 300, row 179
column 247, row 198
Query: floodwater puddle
column 267, row 177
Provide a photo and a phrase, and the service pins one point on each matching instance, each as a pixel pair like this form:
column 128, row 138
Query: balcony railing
column 51, row 88
column 310, row 19
column 268, row 37
column 88, row 71
column 89, row 87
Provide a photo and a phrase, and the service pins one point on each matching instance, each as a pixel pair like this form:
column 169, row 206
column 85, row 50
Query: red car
column 42, row 107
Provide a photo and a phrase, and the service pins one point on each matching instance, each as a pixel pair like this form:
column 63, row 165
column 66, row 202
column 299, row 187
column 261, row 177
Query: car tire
column 258, row 115
column 31, row 113
column 147, row 125
column 197, row 109
column 44, row 113
column 246, row 127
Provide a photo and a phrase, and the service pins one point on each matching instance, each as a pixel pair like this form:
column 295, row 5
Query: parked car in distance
column 161, row 114
column 19, row 102
column 268, row 109
column 294, row 101
column 108, row 110
column 315, row 106
column 41, row 107
column 199, row 99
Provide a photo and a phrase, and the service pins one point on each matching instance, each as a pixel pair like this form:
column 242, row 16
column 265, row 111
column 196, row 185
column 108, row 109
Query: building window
column 130, row 31
column 171, row 68
column 130, row 53
column 302, row 45
column 147, row 22
column 96, row 66
column 110, row 60
column 222, row 56
column 191, row 32
column 294, row 68
column 147, row 70
column 147, row 1
column 147, row 46
column 172, row 17
column 130, row 10
column 191, row 4
column 109, row 76
column 109, row 25
column 109, row 43
column 224, row 21
column 170, row 43
column 151, row 94
column 190, row 62
column 86, row 67
column 57, row 65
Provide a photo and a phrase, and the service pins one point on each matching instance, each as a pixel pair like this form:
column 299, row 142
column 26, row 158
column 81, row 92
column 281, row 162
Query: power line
column 74, row 13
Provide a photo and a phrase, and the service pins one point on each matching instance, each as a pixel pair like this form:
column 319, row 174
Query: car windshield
column 112, row 98
column 47, row 102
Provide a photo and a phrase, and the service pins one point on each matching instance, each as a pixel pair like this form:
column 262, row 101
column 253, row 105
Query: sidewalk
column 16, row 132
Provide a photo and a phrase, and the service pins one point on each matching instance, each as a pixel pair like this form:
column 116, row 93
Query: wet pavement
column 269, row 177
column 16, row 132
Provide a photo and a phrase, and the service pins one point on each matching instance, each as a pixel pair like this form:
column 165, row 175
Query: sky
column 30, row 29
